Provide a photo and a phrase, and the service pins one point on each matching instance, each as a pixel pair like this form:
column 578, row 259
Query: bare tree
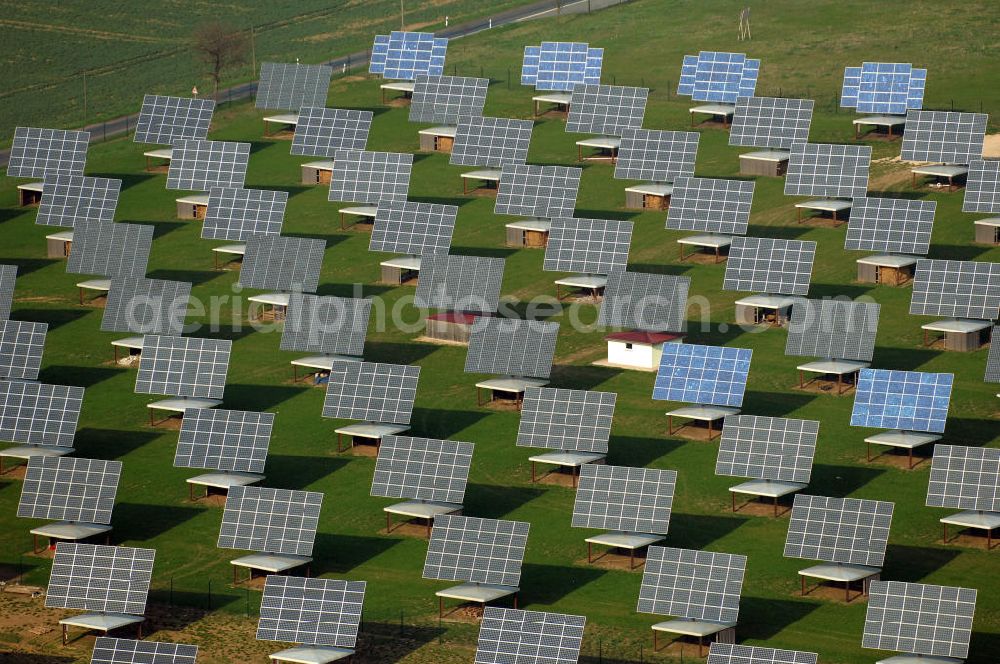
column 220, row 47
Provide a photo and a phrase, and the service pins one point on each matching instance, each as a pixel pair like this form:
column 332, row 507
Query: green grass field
column 802, row 47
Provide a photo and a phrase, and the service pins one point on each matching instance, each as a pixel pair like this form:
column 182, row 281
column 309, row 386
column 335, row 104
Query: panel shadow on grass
column 194, row 277
column 763, row 618
column 285, row 471
column 17, row 657
column 341, row 553
column 78, row 376
column 840, row 481
column 915, row 563
column 981, row 647
column 143, row 522
column 129, row 180
column 581, row 377
column 490, row 501
column 388, row 642
column 385, row 351
column 697, row 531
column 196, row 604
column 904, row 359
column 55, row 318
column 639, row 452
column 661, row 268
column 354, row 290
column 547, row 584
column 161, row 228
column 113, row 443
column 29, row 265
column 258, row 397
column 853, row 291
column 957, row 252
column 971, row 431
column 775, row 404
column 434, row 424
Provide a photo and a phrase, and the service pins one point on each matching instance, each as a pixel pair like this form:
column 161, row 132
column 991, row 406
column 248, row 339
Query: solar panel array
column 146, row 306
column 235, row 213
column 69, row 198
column 833, row 329
column 277, row 521
column 644, row 301
column 405, row 55
column 39, row 414
column 511, row 636
column 824, row 169
column 460, row 283
column 361, row 176
column 21, row 346
column 767, row 265
column 282, row 263
column 372, row 391
column 8, row 278
column 715, row 375
column 166, row 120
column 69, row 489
column 561, row 419
column 767, row 448
column 110, row 250
column 771, row 122
column 199, row 165
column 327, row 324
column 958, row 289
column 966, row 478
column 561, row 65
column 232, row 441
column 324, row 612
column 464, row 548
column 413, row 228
column 491, row 142
column 730, row 653
column 422, row 469
column 108, row 650
column 512, row 347
column 919, row 619
column 657, row 155
column 183, row 366
column 320, row 131
column 622, row 498
column 289, row 86
column 710, row 205
column 606, row 109
column 699, row 585
column 896, row 225
column 594, row 246
column 904, row 400
column 982, row 186
column 883, row 87
column 445, row 99
column 718, row 76
column 943, row 136
column 839, row 530
column 93, row 577
column 538, row 191
column 36, row 152
column 993, row 360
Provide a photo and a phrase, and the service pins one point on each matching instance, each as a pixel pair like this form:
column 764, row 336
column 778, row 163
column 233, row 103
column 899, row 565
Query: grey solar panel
column 606, row 109
column 445, row 99
column 413, row 228
column 560, row 419
column 360, row 176
column 146, row 306
column 69, row 198
column 710, row 205
column 8, row 278
column 460, row 283
column 966, row 478
column 372, row 391
column 93, row 577
column 643, row 301
column 982, row 186
column 166, row 120
column 36, row 152
column 289, row 86
column 632, row 500
column 993, row 360
column 765, row 265
column 277, row 521
column 833, row 329
column 199, row 165
column 919, row 619
column 491, row 142
column 824, row 169
column 110, row 250
column 730, row 653
column 39, row 414
column 839, row 530
column 327, row 324
column 512, row 347
column 183, row 366
column 657, row 155
column 538, row 191
column 767, row 448
column 464, row 548
column 235, row 213
column 771, row 122
column 69, row 489
column 943, row 136
column 958, row 289
column 699, row 585
column 282, row 263
column 511, row 636
column 320, row 132
column 233, row 441
column 21, row 346
column 422, row 469
column 597, row 246
column 126, row 651
column 325, row 612
column 897, row 225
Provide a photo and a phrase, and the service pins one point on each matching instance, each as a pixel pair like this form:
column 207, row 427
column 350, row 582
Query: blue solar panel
column 883, row 87
column 915, row 97
column 852, row 84
column 380, row 49
column 406, row 55
column 904, row 400
column 748, row 83
column 561, row 65
column 715, row 375
column 685, row 86
column 718, row 76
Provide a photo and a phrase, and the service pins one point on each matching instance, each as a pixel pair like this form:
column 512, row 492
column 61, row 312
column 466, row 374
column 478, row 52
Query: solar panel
column 966, row 478
column 199, row 165
column 644, row 301
column 823, row 169
column 422, row 469
column 327, row 324
column 21, row 346
column 289, row 86
column 235, row 213
column 460, row 283
column 69, row 489
column 919, row 619
column 767, row 448
column 39, row 414
column 606, row 109
column 37, row 152
column 146, row 306
column 320, row 132
column 464, row 548
column 92, row 577
column 959, row 289
column 68, row 198
column 597, row 246
column 561, row 65
column 538, row 191
column 883, row 87
column 277, row 521
column 511, row 636
column 413, row 228
column 622, row 498
column 8, row 278
column 657, row 155
column 897, row 225
column 714, row 375
column 183, row 366
column 491, row 142
column 982, row 186
column 166, row 120
column 943, row 136
column 730, row 653
column 718, row 77
column 111, row 250
column 282, row 263
column 126, row 651
column 560, row 419
column 904, row 400
column 233, row 441
column 839, row 530
column 699, row 585
column 993, row 360
column 445, row 99
column 323, row 612
column 405, row 55
column 511, row 347
column 767, row 265
column 710, row 205
column 771, row 122
column 372, row 391
column 833, row 329
column 359, row 176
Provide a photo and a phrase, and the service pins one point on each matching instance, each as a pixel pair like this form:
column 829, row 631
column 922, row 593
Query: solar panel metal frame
column 403, row 55
column 490, row 142
column 606, row 109
column 95, row 577
column 231, row 441
column 946, row 137
column 460, row 283
column 235, row 213
column 884, row 91
column 645, row 301
column 110, row 250
column 538, row 191
column 39, row 414
column 323, row 612
column 35, row 152
column 839, row 530
column 281, row 262
column 714, row 375
column 288, row 86
column 413, row 228
column 326, row 324
column 511, row 347
column 656, row 155
column 371, row 391
column 769, row 265
column 834, row 329
column 183, row 366
column 623, row 498
column 902, row 400
column 321, row 131
column 918, row 618
column 593, row 246
column 69, row 489
column 422, row 469
column 109, row 650
column 199, row 165
column 22, row 344
column 982, row 186
column 446, row 99
column 698, row 585
column 730, row 653
column 512, row 636
column 146, row 306
column 966, row 478
column 67, row 198
column 771, row 122
column 993, row 359
column 560, row 66
column 465, row 548
column 362, row 176
column 829, row 170
column 767, row 448
column 8, row 281
column 716, row 76
column 711, row 205
column 564, row 419
column 896, row 225
column 957, row 289
column 276, row 521
column 164, row 120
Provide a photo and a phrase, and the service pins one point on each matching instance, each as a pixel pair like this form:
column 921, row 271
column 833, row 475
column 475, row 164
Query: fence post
column 508, row 80
column 171, row 601
column 401, row 622
column 209, row 594
column 248, row 601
